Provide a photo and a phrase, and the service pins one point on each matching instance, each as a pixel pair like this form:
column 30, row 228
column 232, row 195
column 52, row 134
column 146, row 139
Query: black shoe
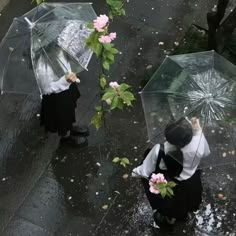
column 74, row 141
column 82, row 131
column 158, row 220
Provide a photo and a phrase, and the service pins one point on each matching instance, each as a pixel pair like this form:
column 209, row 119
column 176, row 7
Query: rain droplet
column 72, row 180
column 135, row 147
column 224, row 154
column 161, row 43
column 98, row 164
column 69, row 198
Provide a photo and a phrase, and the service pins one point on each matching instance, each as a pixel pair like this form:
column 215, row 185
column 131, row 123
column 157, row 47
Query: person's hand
column 71, row 77
column 134, row 173
column 195, row 123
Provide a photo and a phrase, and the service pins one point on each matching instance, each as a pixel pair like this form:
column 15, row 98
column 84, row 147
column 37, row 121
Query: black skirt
column 58, row 110
column 187, row 195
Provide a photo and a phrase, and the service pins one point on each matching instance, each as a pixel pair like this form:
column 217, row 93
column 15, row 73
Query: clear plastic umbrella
column 42, row 35
column 201, row 85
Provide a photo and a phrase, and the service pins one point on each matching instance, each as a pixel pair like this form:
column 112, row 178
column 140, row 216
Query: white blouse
column 192, row 154
column 47, row 80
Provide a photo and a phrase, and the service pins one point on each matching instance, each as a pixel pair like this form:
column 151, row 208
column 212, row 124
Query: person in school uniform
column 178, row 159
column 59, row 98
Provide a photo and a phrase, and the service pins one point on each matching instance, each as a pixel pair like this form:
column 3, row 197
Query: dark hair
column 174, row 163
column 179, row 133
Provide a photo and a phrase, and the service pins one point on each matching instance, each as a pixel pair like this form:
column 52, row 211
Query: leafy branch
column 113, row 95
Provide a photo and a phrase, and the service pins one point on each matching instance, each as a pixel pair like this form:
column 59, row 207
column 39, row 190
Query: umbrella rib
column 166, row 93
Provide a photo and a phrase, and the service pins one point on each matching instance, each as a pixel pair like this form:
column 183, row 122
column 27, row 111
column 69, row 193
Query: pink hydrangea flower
column 158, row 178
column 154, row 181
column 107, row 38
column 104, row 39
column 114, row 85
column 152, row 189
column 100, row 23
column 112, row 35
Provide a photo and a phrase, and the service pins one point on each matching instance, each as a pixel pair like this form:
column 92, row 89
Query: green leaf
column 108, row 95
column 97, row 49
column 103, row 81
column 114, row 102
column 110, row 57
column 107, row 46
column 93, row 43
column 90, row 25
column 122, row 12
column 125, row 160
column 170, row 191
column 171, row 184
column 127, row 97
column 98, row 108
column 124, row 87
column 111, row 16
column 110, row 90
column 120, row 104
column 114, row 50
column 163, row 192
column 106, row 65
column 116, row 159
column 97, row 119
column 123, row 164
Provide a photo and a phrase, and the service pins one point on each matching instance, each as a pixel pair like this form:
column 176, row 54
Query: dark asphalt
column 46, row 189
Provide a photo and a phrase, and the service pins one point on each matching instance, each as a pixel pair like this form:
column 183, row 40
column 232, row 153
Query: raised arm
column 149, row 164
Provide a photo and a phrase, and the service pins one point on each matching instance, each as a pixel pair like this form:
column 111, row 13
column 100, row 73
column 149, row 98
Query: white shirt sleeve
column 48, row 80
column 149, row 164
column 58, row 86
column 201, row 144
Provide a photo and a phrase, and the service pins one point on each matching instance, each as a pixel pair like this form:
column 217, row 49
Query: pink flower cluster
column 114, row 85
column 107, row 38
column 153, row 182
column 100, row 23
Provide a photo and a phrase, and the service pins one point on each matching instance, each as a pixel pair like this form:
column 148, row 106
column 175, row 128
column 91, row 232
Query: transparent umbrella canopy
column 42, row 34
column 201, row 85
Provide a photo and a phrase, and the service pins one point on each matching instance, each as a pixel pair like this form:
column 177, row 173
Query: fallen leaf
column 125, row 176
column 105, row 207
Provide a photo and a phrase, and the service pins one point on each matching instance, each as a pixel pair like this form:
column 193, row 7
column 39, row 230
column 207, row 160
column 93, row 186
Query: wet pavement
column 47, row 189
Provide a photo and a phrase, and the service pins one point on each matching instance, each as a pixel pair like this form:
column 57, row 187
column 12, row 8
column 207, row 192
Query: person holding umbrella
column 178, row 160
column 59, row 97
